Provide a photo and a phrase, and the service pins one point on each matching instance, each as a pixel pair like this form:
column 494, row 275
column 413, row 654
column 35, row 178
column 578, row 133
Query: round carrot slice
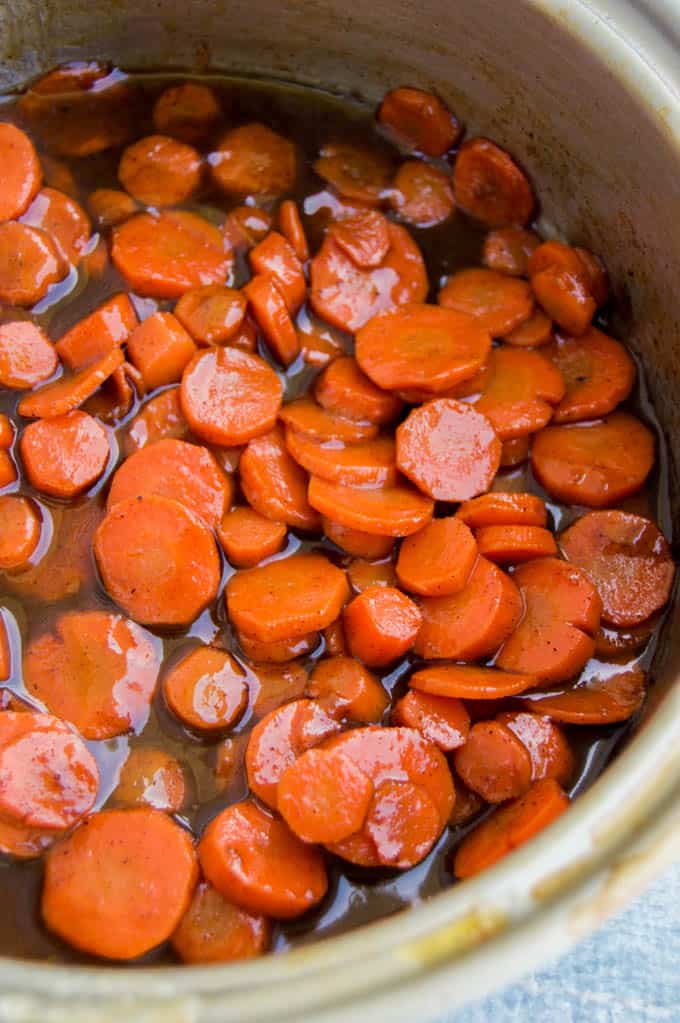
column 286, row 598
column 187, row 111
column 306, row 417
column 342, row 388
column 206, row 690
column 245, row 226
column 565, row 298
column 274, row 256
column 257, row 862
column 365, row 237
column 381, row 624
column 598, row 701
column 474, row 622
column 466, row 682
column 110, row 207
column 356, row 542
column 91, row 895
column 6, row 431
column 437, row 560
column 422, row 194
column 323, row 796
column 212, row 314
column 620, row 644
column 151, row 777
column 488, row 184
column 392, row 511
column 157, row 560
column 20, row 527
column 93, row 337
column 269, row 309
column 274, row 484
column 494, row 763
column 363, row 573
column 27, row 356
column 445, row 722
column 279, row 651
column 503, row 509
column 595, row 274
column 65, row 455
column 229, row 396
column 20, row 175
column 507, row 250
column 68, row 392
column 628, row 560
column 247, row 537
column 595, row 464
column 419, row 120
column 334, row 639
column 448, row 449
column 29, row 263
column 292, row 229
column 161, row 417
column 369, row 463
column 159, row 171
column 514, row 452
column 254, row 160
column 272, row 685
column 509, row 545
column 421, row 346
column 533, row 333
column 214, row 930
column 355, row 171
column 548, row 748
column 5, row 651
column 521, row 392
column 345, row 688
column 403, row 823
column 160, row 348
column 497, row 302
column 63, row 219
column 164, row 255
column 598, row 373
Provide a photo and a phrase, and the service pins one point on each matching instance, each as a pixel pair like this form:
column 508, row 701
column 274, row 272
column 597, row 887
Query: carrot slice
column 418, row 120
column 110, row 207
column 157, row 560
column 421, row 346
column 497, row 302
column 422, row 194
column 565, row 298
column 346, row 689
column 466, row 682
column 151, row 777
column 97, row 670
column 363, row 573
column 257, row 862
column 164, row 255
column 355, row 171
column 595, row 464
column 445, row 722
column 8, row 472
column 6, row 429
column 214, row 930
column 292, row 229
column 160, row 348
column 509, row 545
column 248, row 537
column 403, row 823
column 507, row 250
column 334, row 639
column 503, row 509
column 344, row 389
column 206, row 690
column 254, row 160
column 5, row 650
column 274, row 484
column 323, row 796
column 494, row 763
column 245, row 226
column 562, row 612
column 620, row 644
column 448, row 449
column 286, row 598
column 187, row 111
column 365, row 238
column 381, row 624
column 27, row 356
column 556, row 255
column 308, row 418
column 229, row 396
column 598, row 701
column 369, row 463
column 160, row 171
column 274, row 256
column 68, row 393
column 91, row 895
column 437, row 560
column 269, row 308
column 347, row 296
column 93, row 337
column 211, row 314
column 275, row 684
column 64, row 455
column 29, row 263
column 356, row 542
column 533, row 333
column 392, row 511
column 551, row 756
column 489, row 186
column 514, row 452
column 628, row 560
column 63, row 219
column 20, row 175
column 280, row 651
column 598, row 373
column 20, row 528
column 187, row 473
column 509, row 827
column 160, row 417
column 595, row 275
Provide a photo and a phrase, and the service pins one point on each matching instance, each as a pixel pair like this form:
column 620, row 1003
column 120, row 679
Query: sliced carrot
column 27, row 356
column 403, row 823
column 497, row 302
column 364, row 573
column 392, row 511
column 63, row 219
column 466, row 682
column 93, row 337
column 437, row 560
column 187, row 111
column 503, row 509
column 160, row 348
column 286, row 598
column 357, row 172
column 595, row 464
column 96, row 262
column 29, row 263
column 598, row 373
column 271, row 313
column 344, row 389
column 422, row 194
column 510, row 545
column 381, row 624
column 257, row 862
column 323, row 796
column 110, row 207
column 214, row 930
column 347, row 296
column 308, row 418
column 151, row 777
column 6, row 427
column 445, row 722
column 211, row 314
column 551, row 756
column 565, row 298
column 474, row 622
column 8, row 472
column 246, row 336
column 248, row 537
column 64, row 455
column 164, row 255
column 507, row 250
column 20, row 528
column 292, row 229
column 556, row 255
column 598, row 701
column 160, row 171
column 275, row 256
column 533, row 333
column 334, row 639
column 356, row 542
column 245, row 226
column 157, row 560
column 489, row 186
column 628, row 560
column 494, row 763
column 229, row 396
column 620, row 644
column 20, row 175
column 448, row 449
column 509, row 827
column 229, row 757
column 254, row 160
column 206, row 690
column 514, row 452
column 160, row 417
column 319, row 347
column 275, row 684
column 274, row 484
column 346, row 689
column 279, row 651
column 418, row 120
column 5, row 650
column 369, row 463
column 365, row 237
column 595, row 275
column 69, row 392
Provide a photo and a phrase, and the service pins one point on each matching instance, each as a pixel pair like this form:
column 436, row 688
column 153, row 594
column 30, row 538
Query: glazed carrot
column 466, row 682
column 489, row 186
column 620, row 644
column 421, row 346
column 507, row 250
column 64, row 220
column 418, row 120
column 274, row 484
column 598, row 701
column 445, row 722
column 437, row 560
column 211, row 314
column 546, row 743
column 110, row 207
column 229, row 396
column 565, row 298
column 151, row 777
column 64, row 455
column 346, row 689
column 369, row 463
column 503, row 509
column 628, row 560
column 248, row 537
column 91, row 895
column 254, row 160
column 381, row 624
column 556, row 255
column 245, row 226
column 393, row 511
column 363, row 573
column 246, row 336
column 595, row 274
column 355, row 171
column 347, row 296
column 598, row 373
column 365, row 237
column 421, row 194
column 268, row 307
column 157, row 560
column 356, row 542
column 206, row 690
column 562, row 612
column 533, row 333
column 494, row 763
column 509, row 545
column 160, row 171
column 514, row 452
column 161, row 417
column 279, row 651
column 187, row 111
column 23, row 843
column 509, row 827
column 8, row 472
column 334, row 639
column 474, row 622
column 229, row 756
column 27, row 356
column 93, row 337
column 69, row 392
column 292, row 229
column 594, row 464
column 20, row 527
column 310, row 419
column 319, row 346
column 94, row 263
column 286, row 598
column 214, row 930
column 497, row 302
column 6, row 430
column 187, row 473
column 257, row 862
column 275, row 684
column 275, row 256
column 402, row 822
column 342, row 388
column 29, row 263
column 5, row 650
column 164, row 255
column 160, row 348
column 97, row 670
column 448, row 449
column 323, row 796
column 20, row 175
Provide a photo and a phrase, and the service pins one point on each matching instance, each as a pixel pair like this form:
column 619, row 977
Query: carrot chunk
column 245, row 226
column 248, row 537
column 369, row 463
column 497, row 302
column 437, row 560
column 363, row 573
column 110, row 207
column 514, row 452
column 278, row 651
column 160, row 348
column 160, row 171
column 161, row 417
column 346, row 689
column 5, row 650
column 419, row 120
column 93, row 337
column 381, row 624
column 274, row 484
column 214, row 930
column 445, row 722
column 503, row 509
column 507, row 250
column 598, row 373
column 63, row 219
column 151, row 777
column 494, row 763
column 64, row 455
column 551, row 756
column 275, row 256
column 620, row 644
column 565, row 298
column 334, row 639
column 206, row 690
column 6, row 431
column 27, row 356
column 509, row 545
column 344, row 389
column 270, row 311
column 20, row 175
column 595, row 274
column 187, row 111
column 521, row 392
column 211, row 314
column 466, row 682
column 489, row 186
column 365, row 237
column 67, row 393
column 306, row 417
column 275, row 684
column 356, row 542
column 422, row 194
column 254, row 160
column 323, row 796
column 292, row 229
column 29, row 263
column 598, row 701
column 392, row 511
column 20, row 527
column 533, row 333
column 402, row 822
column 357, row 172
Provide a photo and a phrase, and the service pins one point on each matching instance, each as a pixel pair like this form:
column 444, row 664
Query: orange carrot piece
column 308, row 418
column 356, row 542
column 206, row 690
column 422, row 194
column 533, row 333
column 356, row 172
column 489, row 186
column 503, row 509
column 323, row 796
column 565, row 298
column 402, row 822
column 214, row 930
column 69, row 392
column 346, row 689
column 93, row 337
column 274, row 256
column 275, row 684
column 8, row 472
column 598, row 373
column 29, row 263
column 95, row 263
column 393, row 511
column 160, row 348
column 494, row 763
column 437, row 560
column 467, row 682
column 64, row 220
column 6, row 430
column 595, row 274
column 20, row 175
column 551, row 756
column 363, row 573
column 160, row 171
column 445, row 722
column 497, row 302
column 365, row 237
column 254, row 160
column 598, row 701
column 20, row 528
column 247, row 537
column 274, row 484
column 292, row 229
column 245, row 226
column 187, row 111
column 381, row 624
column 64, row 455
column 334, row 639
column 419, row 120
column 27, row 356
column 514, row 452
column 5, row 650
column 369, row 463
column 270, row 311
column 510, row 545
column 279, row 651
column 620, row 644
column 507, row 250
column 57, row 174
column 344, row 389
column 211, row 314
column 153, row 778
column 110, row 207
column 161, row 417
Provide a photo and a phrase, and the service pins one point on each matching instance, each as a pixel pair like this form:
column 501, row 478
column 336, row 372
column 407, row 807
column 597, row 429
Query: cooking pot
column 587, row 96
